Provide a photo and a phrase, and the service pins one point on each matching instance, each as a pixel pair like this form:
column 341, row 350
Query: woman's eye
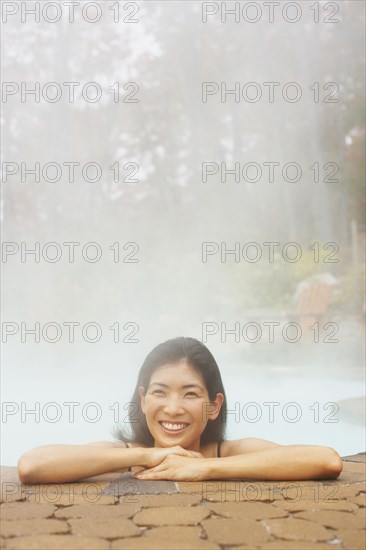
column 158, row 392
column 192, row 393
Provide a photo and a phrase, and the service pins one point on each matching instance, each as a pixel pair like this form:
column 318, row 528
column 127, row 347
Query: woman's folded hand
column 176, row 467
column 156, row 455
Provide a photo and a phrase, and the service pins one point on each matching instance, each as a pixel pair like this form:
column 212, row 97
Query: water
column 303, row 404
column 305, row 410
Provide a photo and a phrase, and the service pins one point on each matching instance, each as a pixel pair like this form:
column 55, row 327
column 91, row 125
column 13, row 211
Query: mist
column 171, row 170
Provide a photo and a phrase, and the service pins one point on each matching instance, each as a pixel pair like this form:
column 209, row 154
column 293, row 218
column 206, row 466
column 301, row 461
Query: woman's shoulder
column 245, row 445
column 133, row 444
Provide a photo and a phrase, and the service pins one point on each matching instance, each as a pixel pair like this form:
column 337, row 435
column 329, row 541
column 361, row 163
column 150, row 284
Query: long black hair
column 173, row 351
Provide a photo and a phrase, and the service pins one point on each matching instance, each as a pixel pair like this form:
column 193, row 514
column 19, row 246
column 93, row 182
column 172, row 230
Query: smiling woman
column 179, row 432
column 179, row 382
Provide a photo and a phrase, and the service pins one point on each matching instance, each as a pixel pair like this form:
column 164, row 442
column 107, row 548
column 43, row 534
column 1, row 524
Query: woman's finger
column 192, row 454
column 158, row 468
column 137, row 469
column 151, row 475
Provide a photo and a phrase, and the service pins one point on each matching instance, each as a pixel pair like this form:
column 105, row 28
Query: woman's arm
column 286, row 463
column 280, row 462
column 66, row 463
column 252, row 458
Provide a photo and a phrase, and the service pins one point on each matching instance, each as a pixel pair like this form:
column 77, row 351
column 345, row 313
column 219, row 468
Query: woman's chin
column 166, row 441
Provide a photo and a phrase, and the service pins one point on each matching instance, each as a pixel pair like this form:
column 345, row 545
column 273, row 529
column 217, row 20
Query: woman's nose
column 173, row 406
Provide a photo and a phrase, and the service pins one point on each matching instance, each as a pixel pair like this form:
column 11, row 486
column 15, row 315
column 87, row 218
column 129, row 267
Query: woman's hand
column 176, row 467
column 156, row 455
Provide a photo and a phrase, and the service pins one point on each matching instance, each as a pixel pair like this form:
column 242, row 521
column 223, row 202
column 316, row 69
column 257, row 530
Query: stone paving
column 118, row 512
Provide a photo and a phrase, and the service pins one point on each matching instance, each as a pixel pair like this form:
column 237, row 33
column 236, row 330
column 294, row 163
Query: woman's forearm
column 289, row 462
column 66, row 463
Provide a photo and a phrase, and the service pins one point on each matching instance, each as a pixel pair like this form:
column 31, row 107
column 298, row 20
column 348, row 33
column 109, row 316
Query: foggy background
column 163, row 285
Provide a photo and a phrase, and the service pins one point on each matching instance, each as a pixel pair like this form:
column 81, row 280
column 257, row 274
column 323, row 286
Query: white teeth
column 169, row 426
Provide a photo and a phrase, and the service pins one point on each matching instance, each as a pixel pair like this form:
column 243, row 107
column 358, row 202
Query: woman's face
column 177, row 406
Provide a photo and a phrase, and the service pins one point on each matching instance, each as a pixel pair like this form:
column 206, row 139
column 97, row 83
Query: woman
column 178, row 421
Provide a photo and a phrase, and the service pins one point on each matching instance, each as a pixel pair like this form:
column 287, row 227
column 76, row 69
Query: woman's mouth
column 173, row 427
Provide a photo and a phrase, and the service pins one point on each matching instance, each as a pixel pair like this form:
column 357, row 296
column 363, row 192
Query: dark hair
column 172, row 351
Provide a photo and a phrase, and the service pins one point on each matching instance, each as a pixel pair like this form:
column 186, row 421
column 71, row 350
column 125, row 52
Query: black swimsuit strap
column 218, row 449
column 129, row 469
